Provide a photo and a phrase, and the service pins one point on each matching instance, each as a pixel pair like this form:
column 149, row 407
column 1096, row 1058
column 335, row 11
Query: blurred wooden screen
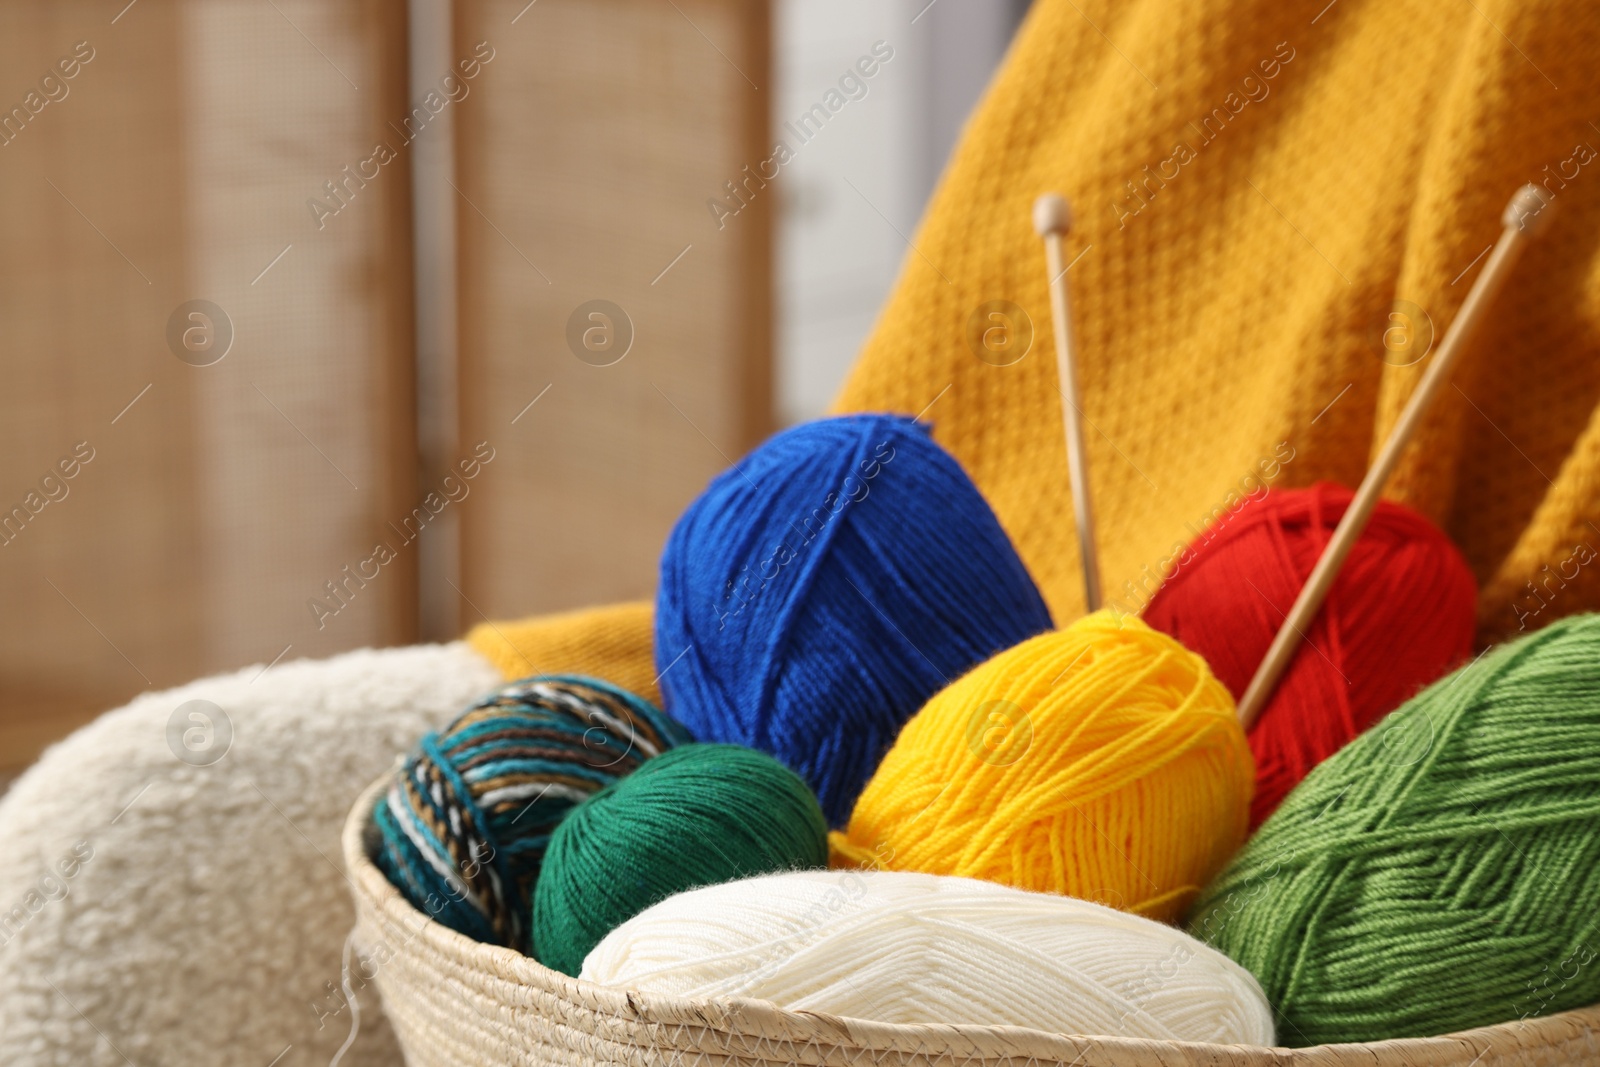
column 237, row 462
column 604, row 130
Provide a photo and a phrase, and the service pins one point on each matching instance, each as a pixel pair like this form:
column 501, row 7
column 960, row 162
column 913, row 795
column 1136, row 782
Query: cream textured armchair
column 186, row 911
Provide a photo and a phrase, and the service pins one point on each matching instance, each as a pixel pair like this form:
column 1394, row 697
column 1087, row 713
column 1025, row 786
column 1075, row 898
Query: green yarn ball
column 1442, row 871
column 697, row 815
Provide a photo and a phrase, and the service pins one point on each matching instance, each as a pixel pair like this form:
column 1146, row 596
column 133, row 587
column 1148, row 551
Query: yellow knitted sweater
column 1260, row 187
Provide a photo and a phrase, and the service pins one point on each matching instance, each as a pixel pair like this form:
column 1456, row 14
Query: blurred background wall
column 326, row 325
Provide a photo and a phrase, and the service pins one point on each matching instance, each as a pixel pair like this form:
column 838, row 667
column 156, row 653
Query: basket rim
column 752, row 1017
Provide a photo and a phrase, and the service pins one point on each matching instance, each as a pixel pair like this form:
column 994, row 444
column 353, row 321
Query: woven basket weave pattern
column 455, row 1002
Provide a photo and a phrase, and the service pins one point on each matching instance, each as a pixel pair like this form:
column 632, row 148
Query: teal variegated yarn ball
column 1440, row 872
column 699, row 815
column 465, row 825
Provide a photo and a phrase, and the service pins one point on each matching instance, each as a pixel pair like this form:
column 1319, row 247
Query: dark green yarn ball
column 697, row 815
column 1442, row 871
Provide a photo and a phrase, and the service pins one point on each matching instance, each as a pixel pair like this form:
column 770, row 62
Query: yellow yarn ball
column 1102, row 761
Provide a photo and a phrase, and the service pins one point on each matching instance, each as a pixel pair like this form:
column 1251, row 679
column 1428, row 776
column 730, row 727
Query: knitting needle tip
column 1529, row 210
column 1051, row 214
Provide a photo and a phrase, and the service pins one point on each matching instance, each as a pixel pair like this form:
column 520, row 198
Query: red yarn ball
column 1401, row 613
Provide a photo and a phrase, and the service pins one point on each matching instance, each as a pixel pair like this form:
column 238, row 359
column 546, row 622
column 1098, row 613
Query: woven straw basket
column 454, row 1001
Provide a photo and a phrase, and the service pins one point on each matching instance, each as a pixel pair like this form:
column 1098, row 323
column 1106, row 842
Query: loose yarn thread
column 1442, row 871
column 924, row 949
column 698, row 815
column 465, row 824
column 1101, row 761
column 1401, row 612
column 816, row 594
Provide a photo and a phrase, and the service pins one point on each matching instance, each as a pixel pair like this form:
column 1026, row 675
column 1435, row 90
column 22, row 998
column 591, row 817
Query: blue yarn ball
column 463, row 829
column 820, row 591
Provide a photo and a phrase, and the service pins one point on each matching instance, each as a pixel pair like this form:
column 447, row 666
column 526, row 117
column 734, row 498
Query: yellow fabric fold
column 612, row 642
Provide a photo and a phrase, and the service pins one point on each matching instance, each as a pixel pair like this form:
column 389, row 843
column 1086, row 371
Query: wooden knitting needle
column 1525, row 217
column 1052, row 218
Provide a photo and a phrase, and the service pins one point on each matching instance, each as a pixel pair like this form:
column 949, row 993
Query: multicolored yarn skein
column 1442, row 871
column 698, row 815
column 1101, row 761
column 816, row 594
column 885, row 946
column 1401, row 613
column 465, row 825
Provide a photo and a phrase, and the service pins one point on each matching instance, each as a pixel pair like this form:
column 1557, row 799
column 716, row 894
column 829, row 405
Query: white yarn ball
column 903, row 947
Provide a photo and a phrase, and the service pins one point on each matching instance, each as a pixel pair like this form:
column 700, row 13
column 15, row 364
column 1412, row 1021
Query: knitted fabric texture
column 611, row 642
column 1255, row 185
column 1442, row 871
